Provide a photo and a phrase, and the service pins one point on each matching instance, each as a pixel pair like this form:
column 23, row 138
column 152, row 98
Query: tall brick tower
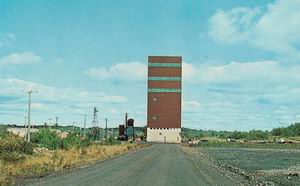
column 164, row 99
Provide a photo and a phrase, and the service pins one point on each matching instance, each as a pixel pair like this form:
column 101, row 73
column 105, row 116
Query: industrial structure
column 126, row 131
column 164, row 99
column 95, row 118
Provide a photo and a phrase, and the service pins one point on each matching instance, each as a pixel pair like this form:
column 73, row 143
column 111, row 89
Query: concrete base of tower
column 164, row 135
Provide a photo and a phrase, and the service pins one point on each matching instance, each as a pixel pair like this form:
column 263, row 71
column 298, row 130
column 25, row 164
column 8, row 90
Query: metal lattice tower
column 95, row 117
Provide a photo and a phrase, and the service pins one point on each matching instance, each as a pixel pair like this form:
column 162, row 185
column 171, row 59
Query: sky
column 241, row 60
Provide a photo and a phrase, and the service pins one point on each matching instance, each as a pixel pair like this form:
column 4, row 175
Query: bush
column 46, row 138
column 86, row 142
column 257, row 135
column 112, row 141
column 277, row 132
column 11, row 156
column 3, row 132
column 71, row 141
column 13, row 148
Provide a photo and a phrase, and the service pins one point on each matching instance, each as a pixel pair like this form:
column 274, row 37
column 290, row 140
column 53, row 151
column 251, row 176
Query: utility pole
column 50, row 119
column 56, row 122
column 105, row 129
column 73, row 126
column 29, row 113
column 84, row 125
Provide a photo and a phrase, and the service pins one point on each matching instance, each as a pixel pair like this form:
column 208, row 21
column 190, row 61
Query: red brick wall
column 167, row 107
column 164, row 71
column 164, row 84
column 167, row 110
column 164, row 59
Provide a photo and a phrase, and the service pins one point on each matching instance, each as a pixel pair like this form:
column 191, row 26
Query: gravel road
column 159, row 164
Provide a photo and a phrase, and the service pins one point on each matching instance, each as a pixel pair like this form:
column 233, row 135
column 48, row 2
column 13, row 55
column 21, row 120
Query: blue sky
column 241, row 60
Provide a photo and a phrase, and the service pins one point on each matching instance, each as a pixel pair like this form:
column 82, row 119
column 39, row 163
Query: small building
column 22, row 132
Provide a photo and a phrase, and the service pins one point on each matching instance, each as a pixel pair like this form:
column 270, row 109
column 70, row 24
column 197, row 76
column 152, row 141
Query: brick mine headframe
column 164, row 99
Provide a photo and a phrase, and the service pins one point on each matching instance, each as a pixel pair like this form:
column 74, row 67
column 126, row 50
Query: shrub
column 86, row 142
column 71, row 141
column 3, row 131
column 112, row 141
column 257, row 135
column 238, row 135
column 13, row 148
column 47, row 139
column 12, row 156
column 26, row 148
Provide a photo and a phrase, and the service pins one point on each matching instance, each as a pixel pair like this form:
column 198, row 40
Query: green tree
column 257, row 135
column 277, row 132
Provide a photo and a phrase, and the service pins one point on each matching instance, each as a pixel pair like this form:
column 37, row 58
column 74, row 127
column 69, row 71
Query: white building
column 22, row 132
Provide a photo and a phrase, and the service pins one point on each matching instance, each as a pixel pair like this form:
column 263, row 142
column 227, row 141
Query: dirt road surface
column 159, row 164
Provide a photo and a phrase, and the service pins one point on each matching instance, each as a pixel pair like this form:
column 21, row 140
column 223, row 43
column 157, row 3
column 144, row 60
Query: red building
column 164, row 99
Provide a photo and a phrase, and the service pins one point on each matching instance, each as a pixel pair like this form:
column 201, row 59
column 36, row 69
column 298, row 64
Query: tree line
column 289, row 131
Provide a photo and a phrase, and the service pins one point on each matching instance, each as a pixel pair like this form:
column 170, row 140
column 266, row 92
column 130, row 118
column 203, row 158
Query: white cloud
column 233, row 26
column 120, row 71
column 69, row 104
column 20, row 58
column 16, row 86
column 234, row 96
column 242, row 95
column 188, row 72
column 64, row 99
column 265, row 81
column 276, row 30
column 236, row 72
column 190, row 106
column 133, row 71
column 37, row 105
